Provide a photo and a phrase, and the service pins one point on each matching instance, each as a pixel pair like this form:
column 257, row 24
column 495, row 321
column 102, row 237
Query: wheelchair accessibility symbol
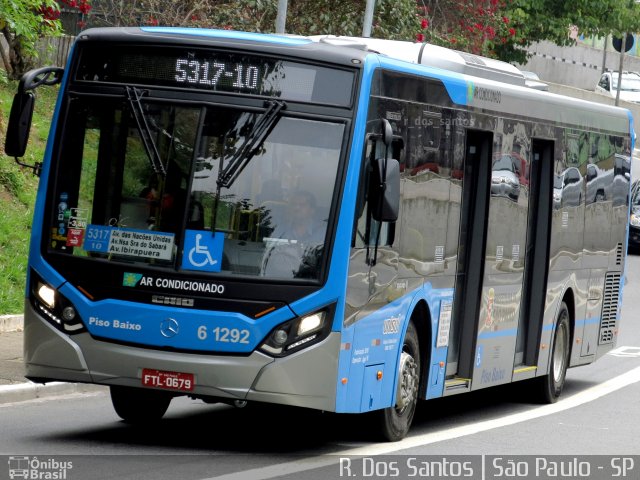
column 202, row 251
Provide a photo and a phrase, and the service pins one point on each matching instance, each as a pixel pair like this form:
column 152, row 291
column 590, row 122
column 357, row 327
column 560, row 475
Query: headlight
column 298, row 333
column 634, row 220
column 311, row 323
column 46, row 294
column 54, row 306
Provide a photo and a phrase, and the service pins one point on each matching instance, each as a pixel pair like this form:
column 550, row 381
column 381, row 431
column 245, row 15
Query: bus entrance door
column 536, row 261
column 515, row 266
column 503, row 250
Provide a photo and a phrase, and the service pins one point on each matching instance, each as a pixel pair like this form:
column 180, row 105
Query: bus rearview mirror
column 387, row 132
column 386, row 202
column 19, row 124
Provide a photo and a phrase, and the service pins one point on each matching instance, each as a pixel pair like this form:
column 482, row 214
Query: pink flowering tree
column 481, row 27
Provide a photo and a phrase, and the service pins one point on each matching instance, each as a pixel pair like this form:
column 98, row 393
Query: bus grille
column 619, row 254
column 608, row 318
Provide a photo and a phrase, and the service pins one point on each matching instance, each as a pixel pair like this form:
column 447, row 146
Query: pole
column 281, row 19
column 604, row 55
column 620, row 66
column 368, row 18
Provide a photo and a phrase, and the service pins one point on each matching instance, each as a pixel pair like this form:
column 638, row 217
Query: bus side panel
column 375, row 340
column 369, row 360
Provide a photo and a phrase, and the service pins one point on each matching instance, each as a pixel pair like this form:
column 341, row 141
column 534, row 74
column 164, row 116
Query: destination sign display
column 216, row 71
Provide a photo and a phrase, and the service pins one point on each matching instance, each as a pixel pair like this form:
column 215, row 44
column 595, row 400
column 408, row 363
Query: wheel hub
column 559, row 356
column 407, row 382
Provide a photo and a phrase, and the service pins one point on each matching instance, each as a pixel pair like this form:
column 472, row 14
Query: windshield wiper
column 228, row 174
column 133, row 96
column 252, row 144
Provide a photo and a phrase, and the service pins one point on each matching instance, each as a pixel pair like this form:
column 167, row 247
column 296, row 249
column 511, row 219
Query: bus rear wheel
column 551, row 385
column 137, row 405
column 395, row 421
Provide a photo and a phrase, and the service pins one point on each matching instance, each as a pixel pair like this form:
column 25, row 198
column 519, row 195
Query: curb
column 22, row 392
column 11, row 323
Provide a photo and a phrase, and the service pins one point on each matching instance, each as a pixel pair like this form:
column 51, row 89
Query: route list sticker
column 123, row 241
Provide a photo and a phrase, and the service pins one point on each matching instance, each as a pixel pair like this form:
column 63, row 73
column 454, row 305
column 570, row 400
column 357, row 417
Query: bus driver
column 296, row 243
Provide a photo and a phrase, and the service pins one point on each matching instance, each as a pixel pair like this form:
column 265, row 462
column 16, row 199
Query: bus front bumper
column 304, row 379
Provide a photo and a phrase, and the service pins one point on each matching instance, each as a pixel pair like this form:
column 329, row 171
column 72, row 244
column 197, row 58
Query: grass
column 17, row 196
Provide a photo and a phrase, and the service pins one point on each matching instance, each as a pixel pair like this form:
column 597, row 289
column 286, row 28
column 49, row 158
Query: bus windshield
column 193, row 190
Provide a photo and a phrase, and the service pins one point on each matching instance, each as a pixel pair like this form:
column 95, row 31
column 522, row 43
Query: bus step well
column 457, row 385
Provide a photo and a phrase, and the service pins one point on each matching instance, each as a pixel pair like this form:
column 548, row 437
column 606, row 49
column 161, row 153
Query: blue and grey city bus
column 348, row 225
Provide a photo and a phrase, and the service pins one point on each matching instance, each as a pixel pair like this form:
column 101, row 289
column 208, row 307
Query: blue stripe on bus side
column 499, row 333
column 229, row 35
column 588, row 321
column 545, row 328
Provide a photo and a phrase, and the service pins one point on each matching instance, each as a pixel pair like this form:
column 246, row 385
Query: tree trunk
column 18, row 60
column 5, row 56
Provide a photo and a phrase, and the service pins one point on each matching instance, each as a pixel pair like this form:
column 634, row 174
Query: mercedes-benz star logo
column 169, row 328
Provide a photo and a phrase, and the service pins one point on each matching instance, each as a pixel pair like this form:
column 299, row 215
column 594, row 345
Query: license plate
column 168, row 380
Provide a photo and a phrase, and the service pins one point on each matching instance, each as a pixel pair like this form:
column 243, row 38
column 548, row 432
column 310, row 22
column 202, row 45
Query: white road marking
column 626, row 352
column 586, row 396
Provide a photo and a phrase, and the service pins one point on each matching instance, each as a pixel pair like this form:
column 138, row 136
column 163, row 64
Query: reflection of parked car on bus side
column 598, row 184
column 621, row 180
column 505, row 177
column 567, row 188
column 634, row 218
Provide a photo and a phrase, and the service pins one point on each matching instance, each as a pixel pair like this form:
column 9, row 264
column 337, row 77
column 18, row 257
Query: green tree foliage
column 23, row 22
column 495, row 28
column 551, row 20
column 394, row 18
column 504, row 28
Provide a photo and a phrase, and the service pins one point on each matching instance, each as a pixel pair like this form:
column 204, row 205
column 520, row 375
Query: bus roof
column 487, row 83
column 470, row 79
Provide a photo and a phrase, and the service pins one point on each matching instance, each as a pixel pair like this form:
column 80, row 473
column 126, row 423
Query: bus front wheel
column 551, row 384
column 137, row 405
column 395, row 421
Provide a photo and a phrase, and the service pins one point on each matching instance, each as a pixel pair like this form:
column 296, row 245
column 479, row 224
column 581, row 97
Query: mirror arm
column 40, row 76
column 36, row 167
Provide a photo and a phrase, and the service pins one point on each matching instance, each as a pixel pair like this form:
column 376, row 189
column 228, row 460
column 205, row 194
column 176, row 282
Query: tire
column 551, row 385
column 395, row 421
column 137, row 405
